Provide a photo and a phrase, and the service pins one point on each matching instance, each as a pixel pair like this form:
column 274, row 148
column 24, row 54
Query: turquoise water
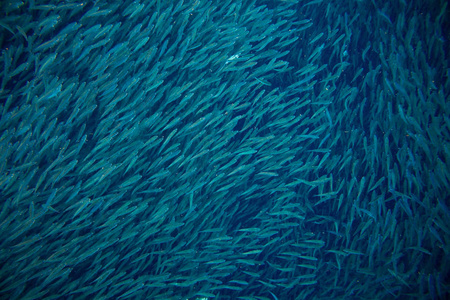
column 224, row 149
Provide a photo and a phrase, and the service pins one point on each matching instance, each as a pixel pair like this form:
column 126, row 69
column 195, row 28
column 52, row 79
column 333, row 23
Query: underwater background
column 281, row 149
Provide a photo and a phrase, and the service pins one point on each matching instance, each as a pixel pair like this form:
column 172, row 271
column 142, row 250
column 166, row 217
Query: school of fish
column 235, row 149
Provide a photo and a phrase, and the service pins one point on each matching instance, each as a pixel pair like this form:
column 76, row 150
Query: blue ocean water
column 224, row 149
